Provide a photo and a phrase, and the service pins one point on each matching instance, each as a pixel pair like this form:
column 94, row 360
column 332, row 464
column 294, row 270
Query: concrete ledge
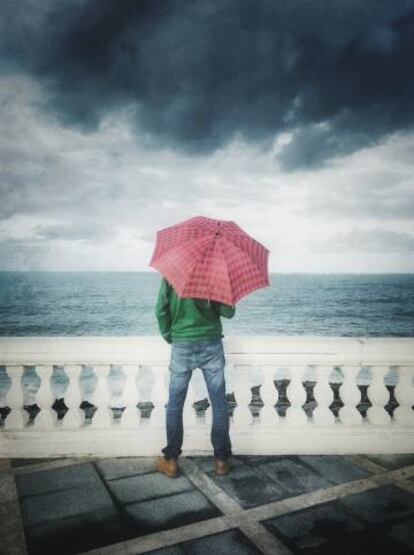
column 239, row 349
column 139, row 442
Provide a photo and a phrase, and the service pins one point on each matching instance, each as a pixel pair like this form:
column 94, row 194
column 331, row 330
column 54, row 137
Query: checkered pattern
column 211, row 259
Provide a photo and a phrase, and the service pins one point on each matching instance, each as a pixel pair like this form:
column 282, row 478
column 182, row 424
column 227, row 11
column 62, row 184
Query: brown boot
column 169, row 467
column 222, row 467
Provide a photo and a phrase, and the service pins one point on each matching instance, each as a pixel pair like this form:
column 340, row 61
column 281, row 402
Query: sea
column 57, row 303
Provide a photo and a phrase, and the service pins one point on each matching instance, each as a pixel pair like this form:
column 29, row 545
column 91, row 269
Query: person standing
column 193, row 328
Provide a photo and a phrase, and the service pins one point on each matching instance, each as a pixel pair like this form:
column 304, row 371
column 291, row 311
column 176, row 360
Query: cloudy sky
column 293, row 118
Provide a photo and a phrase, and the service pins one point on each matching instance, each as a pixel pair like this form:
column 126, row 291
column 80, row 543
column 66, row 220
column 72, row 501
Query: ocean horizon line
column 156, row 272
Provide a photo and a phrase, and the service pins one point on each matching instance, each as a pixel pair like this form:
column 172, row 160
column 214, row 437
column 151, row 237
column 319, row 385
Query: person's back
column 194, row 328
column 189, row 319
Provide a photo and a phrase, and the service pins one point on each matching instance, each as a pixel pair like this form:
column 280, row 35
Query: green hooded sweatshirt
column 189, row 319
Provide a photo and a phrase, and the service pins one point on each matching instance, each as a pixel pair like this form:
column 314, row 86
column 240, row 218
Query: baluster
column 103, row 416
column 116, row 384
column 47, row 417
column 242, row 415
column 31, row 382
column 404, row 393
column 75, row 416
column 189, row 413
column 130, row 416
column 322, row 414
column 159, row 395
column 198, row 386
column 5, row 378
column 230, row 377
column 379, row 396
column 295, row 391
column 17, row 417
column 207, row 419
column 145, row 383
column 199, row 390
column 350, row 396
column 269, row 396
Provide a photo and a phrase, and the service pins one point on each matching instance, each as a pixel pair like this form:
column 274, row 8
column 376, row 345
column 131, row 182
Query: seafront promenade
column 322, row 431
column 305, row 504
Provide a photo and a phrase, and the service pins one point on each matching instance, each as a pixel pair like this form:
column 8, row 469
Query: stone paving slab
column 292, row 477
column 381, row 504
column 248, row 487
column 329, row 529
column 207, row 463
column 63, row 504
column 76, row 534
column 147, row 486
column 315, row 527
column 336, row 469
column 254, row 460
column 151, row 516
column 403, row 532
column 226, row 543
column 125, row 466
column 371, row 541
column 172, row 550
column 57, row 479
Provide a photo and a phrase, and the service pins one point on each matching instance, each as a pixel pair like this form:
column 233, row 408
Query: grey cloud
column 195, row 73
column 373, row 240
column 148, row 236
column 91, row 232
column 108, row 177
column 386, row 195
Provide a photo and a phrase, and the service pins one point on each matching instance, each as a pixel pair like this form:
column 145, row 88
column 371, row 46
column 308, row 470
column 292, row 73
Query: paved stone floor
column 273, row 505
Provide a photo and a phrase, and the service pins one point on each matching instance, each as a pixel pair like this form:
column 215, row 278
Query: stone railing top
column 241, row 349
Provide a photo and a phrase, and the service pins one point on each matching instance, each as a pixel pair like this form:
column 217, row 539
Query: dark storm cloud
column 315, row 143
column 195, row 73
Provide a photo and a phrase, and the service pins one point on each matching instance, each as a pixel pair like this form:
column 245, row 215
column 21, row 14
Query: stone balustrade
column 102, row 396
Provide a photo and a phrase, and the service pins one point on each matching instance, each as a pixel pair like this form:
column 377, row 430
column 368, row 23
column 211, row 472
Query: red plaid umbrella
column 211, row 259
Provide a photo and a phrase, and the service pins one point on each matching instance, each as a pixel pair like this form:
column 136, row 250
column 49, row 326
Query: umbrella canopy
column 211, row 259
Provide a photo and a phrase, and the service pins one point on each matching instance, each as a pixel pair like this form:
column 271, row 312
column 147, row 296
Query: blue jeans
column 186, row 356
